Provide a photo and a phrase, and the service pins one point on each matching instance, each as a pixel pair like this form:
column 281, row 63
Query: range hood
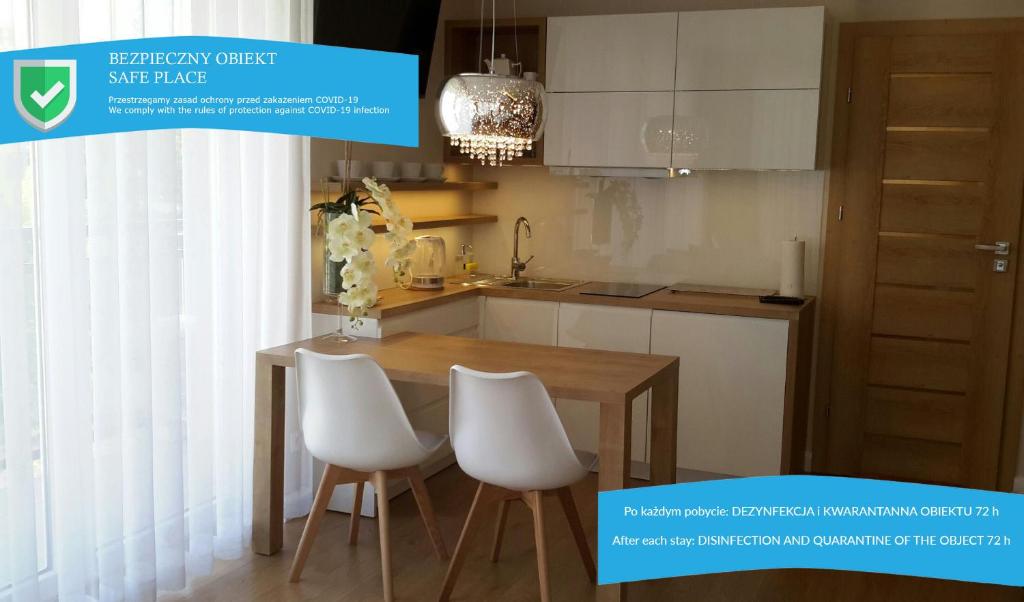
column 619, row 172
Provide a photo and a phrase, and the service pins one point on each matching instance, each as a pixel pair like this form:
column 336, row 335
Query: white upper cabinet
column 746, row 129
column 611, row 53
column 755, row 49
column 727, row 89
column 609, row 129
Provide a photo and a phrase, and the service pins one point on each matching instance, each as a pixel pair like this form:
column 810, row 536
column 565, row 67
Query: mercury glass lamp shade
column 491, row 118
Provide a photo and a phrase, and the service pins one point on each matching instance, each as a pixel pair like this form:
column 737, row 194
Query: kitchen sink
column 540, row 284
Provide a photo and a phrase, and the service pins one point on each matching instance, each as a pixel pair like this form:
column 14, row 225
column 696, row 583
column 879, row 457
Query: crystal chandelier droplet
column 491, row 118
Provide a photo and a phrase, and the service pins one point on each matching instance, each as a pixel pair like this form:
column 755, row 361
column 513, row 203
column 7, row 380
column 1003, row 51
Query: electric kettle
column 427, row 264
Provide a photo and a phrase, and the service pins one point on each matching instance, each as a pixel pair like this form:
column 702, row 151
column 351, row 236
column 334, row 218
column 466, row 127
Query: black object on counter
column 780, row 300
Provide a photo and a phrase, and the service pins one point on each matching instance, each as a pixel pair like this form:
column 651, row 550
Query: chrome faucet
column 519, row 266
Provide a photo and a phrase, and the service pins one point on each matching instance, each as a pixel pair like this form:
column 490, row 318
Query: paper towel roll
column 791, row 279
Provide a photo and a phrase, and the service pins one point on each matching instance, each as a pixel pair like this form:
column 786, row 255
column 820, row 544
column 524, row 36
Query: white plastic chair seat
column 352, row 417
column 505, row 431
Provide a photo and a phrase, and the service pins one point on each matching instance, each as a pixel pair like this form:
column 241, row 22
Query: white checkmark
column 44, row 99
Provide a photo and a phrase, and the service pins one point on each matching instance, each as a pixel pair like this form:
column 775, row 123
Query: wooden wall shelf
column 442, row 221
column 441, row 186
column 434, row 221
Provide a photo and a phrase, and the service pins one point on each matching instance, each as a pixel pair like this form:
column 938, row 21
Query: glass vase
column 332, row 269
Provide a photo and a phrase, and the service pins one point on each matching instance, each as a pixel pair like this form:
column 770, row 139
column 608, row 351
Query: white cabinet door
column 520, row 321
column 755, row 49
column 611, row 329
column 732, row 385
column 609, row 129
column 605, row 53
column 746, row 129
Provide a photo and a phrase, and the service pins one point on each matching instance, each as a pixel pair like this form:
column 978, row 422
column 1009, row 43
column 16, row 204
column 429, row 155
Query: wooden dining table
column 609, row 378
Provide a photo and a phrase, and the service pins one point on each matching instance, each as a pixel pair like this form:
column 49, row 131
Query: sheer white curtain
column 138, row 275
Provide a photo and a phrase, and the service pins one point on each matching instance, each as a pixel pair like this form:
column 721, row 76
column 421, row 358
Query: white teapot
column 501, row 65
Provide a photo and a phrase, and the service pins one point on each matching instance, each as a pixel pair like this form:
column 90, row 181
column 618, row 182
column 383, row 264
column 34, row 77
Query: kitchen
column 738, row 239
column 601, row 206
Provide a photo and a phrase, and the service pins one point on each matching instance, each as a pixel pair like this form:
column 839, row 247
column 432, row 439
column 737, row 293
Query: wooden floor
column 338, row 572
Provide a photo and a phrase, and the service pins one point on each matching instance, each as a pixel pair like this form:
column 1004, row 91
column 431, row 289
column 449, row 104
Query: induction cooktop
column 621, row 289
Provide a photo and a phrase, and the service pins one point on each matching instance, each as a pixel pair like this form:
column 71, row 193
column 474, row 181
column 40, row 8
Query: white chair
column 353, row 421
column 507, row 435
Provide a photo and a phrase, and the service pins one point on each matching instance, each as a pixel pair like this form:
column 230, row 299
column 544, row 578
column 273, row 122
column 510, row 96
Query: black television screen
column 405, row 26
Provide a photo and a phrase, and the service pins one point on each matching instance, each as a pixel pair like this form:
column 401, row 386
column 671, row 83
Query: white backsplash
column 720, row 228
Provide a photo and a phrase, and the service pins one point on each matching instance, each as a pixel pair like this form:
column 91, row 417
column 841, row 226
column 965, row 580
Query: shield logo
column 45, row 92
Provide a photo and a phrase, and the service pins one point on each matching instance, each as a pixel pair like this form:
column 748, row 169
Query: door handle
column 1000, row 248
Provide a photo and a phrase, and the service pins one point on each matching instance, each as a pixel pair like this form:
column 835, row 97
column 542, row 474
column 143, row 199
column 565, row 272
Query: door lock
column 999, row 265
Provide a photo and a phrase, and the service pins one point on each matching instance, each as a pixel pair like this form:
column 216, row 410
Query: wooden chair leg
column 419, row 491
column 573, row 516
column 482, row 497
column 499, row 529
column 357, row 507
column 535, row 502
column 380, row 483
column 316, row 513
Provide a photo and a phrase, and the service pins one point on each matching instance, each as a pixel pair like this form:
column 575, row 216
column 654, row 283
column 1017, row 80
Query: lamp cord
column 515, row 33
column 494, row 27
column 480, row 51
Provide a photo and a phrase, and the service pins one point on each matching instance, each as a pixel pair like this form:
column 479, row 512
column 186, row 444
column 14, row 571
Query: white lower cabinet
column 520, row 321
column 610, row 329
column 732, row 383
column 426, row 405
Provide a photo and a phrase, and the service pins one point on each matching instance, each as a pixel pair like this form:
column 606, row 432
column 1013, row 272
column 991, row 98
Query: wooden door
column 928, row 163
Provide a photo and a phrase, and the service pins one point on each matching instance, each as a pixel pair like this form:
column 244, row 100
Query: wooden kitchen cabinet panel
column 746, row 129
column 520, row 321
column 732, row 389
column 609, row 129
column 755, row 49
column 610, row 329
column 611, row 53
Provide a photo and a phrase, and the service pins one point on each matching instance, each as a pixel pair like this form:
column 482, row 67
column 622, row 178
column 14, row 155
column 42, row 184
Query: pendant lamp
column 491, row 117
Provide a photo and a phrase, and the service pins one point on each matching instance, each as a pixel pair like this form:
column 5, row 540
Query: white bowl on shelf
column 357, row 169
column 384, row 171
column 434, row 172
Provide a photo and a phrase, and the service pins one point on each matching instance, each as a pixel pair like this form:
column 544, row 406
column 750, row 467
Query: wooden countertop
column 587, row 374
column 396, row 301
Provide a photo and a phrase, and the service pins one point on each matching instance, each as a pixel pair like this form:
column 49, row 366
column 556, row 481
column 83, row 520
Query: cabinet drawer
column 448, row 318
column 520, row 321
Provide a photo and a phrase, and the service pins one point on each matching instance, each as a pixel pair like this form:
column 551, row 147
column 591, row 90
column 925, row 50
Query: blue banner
column 212, row 83
column 810, row 522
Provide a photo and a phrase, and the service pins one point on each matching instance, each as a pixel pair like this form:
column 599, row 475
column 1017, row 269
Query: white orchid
column 362, row 262
column 350, row 237
column 342, row 249
column 401, row 224
column 376, row 188
column 399, row 229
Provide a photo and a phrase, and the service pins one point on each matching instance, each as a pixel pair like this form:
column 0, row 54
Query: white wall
column 712, row 228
